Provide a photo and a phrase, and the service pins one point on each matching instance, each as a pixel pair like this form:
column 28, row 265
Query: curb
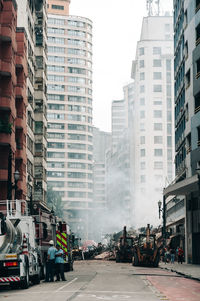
column 180, row 273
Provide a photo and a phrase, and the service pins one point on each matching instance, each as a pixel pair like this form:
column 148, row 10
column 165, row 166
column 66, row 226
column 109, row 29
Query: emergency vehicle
column 19, row 253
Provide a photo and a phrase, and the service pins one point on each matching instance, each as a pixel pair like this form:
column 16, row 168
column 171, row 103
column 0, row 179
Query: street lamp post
column 163, row 210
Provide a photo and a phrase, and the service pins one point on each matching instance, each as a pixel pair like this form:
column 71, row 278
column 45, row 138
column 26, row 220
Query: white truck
column 19, row 253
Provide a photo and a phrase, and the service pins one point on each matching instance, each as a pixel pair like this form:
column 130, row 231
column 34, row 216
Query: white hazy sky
column 116, row 30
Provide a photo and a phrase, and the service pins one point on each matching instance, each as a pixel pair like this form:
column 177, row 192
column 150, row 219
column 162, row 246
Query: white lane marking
column 85, row 292
column 66, row 285
column 103, row 297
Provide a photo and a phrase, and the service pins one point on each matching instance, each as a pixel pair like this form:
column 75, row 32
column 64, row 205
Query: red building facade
column 13, row 102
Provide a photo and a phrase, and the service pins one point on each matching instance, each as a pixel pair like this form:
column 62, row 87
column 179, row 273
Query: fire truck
column 24, row 242
column 19, row 253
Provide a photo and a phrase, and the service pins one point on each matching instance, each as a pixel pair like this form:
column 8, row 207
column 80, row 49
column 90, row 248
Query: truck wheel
column 25, row 281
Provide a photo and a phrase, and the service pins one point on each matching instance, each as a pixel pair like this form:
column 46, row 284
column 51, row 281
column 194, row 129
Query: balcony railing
column 198, row 41
column 197, row 8
column 188, row 150
column 198, row 75
column 197, row 109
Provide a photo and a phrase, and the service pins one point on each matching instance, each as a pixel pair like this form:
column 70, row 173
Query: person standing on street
column 59, row 261
column 50, row 262
column 180, row 255
column 172, row 253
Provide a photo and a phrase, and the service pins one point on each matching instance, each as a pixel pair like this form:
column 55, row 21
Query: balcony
column 8, row 103
column 20, row 61
column 20, row 151
column 20, row 122
column 5, row 127
column 7, row 68
column 8, row 34
column 20, row 92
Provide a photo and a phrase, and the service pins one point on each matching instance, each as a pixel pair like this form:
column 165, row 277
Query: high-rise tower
column 70, row 146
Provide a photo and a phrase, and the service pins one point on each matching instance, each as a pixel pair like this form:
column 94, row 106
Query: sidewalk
column 191, row 271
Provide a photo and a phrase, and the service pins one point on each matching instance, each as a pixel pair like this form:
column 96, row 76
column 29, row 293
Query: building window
column 142, row 114
column 141, row 62
column 167, row 27
column 168, row 65
column 60, row 7
column 157, row 126
column 142, row 127
column 158, row 139
column 142, row 101
column 141, row 51
column 157, row 75
column 142, row 76
column 157, row 63
column 198, row 69
column 157, row 102
column 157, row 114
column 198, row 34
column 169, row 128
column 158, row 152
column 142, row 179
column 158, row 165
column 156, row 50
column 142, row 152
column 187, row 78
column 142, row 165
column 142, row 89
column 157, row 88
column 186, row 49
column 169, row 141
column 185, row 18
column 142, row 140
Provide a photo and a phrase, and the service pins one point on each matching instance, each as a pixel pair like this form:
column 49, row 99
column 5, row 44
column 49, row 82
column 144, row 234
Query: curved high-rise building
column 69, row 92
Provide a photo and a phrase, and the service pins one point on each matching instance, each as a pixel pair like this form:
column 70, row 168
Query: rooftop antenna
column 153, row 7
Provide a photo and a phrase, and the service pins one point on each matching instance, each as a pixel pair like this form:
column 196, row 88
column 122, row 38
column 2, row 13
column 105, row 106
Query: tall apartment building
column 187, row 122
column 119, row 120
column 101, row 143
column 119, row 179
column 13, row 101
column 152, row 133
column 32, row 17
column 70, row 141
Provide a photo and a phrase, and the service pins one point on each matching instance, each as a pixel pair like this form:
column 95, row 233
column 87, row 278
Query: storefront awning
column 183, row 187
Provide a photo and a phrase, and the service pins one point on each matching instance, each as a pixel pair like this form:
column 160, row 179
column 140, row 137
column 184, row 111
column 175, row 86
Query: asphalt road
column 107, row 280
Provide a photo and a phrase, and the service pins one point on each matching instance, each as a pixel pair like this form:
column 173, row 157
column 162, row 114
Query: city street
column 107, row 280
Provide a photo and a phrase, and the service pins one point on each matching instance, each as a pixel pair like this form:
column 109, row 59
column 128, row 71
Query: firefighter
column 59, row 262
column 50, row 262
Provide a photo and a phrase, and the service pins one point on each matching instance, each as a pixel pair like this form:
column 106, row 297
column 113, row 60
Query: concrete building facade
column 70, row 138
column 153, row 117
column 32, row 17
column 119, row 179
column 101, row 143
column 13, row 102
column 187, row 122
